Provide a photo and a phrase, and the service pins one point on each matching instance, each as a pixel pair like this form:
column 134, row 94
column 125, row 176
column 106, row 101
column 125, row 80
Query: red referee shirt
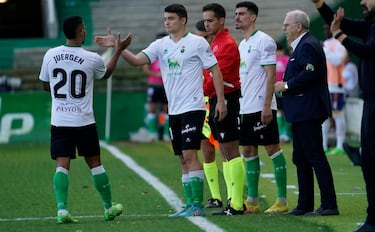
column 226, row 51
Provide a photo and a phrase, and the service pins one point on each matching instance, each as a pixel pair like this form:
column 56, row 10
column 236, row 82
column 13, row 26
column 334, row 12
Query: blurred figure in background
column 157, row 100
column 350, row 74
column 335, row 55
column 201, row 31
column 157, row 105
column 281, row 61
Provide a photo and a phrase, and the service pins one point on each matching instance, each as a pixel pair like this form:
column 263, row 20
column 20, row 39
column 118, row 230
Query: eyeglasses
column 288, row 24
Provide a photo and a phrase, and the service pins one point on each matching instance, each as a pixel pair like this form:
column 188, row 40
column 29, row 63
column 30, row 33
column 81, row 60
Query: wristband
column 337, row 34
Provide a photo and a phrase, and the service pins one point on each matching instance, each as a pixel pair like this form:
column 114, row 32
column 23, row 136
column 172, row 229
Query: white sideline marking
column 170, row 197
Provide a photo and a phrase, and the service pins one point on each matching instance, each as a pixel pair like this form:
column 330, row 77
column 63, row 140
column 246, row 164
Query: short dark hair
column 179, row 9
column 200, row 26
column 251, row 7
column 216, row 8
column 161, row 34
column 70, row 26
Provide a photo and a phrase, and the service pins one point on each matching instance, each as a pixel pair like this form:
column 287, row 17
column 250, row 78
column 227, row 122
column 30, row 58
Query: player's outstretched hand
column 106, row 40
column 337, row 18
column 122, row 44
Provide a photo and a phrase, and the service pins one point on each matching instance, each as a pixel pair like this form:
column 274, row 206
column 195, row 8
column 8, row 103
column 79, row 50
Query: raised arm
column 109, row 41
column 318, row 3
column 120, row 45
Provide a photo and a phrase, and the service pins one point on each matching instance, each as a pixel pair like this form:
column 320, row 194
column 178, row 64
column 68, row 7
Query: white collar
column 296, row 41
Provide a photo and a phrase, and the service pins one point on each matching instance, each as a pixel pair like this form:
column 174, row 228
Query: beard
column 370, row 15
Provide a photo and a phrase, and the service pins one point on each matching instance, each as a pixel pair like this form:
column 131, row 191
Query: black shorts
column 156, row 94
column 186, row 131
column 253, row 132
column 228, row 129
column 65, row 141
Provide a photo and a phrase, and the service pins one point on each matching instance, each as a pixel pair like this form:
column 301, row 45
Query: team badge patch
column 310, row 67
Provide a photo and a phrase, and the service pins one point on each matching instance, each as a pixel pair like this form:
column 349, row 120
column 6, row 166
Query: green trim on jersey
column 71, row 46
column 267, row 64
column 256, row 30
column 212, row 66
column 148, row 58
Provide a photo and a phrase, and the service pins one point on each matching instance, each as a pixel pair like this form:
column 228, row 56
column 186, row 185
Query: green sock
column 280, row 123
column 237, row 174
column 197, row 189
column 279, row 165
column 101, row 183
column 252, row 176
column 151, row 123
column 187, row 192
column 211, row 173
column 228, row 182
column 60, row 186
column 166, row 126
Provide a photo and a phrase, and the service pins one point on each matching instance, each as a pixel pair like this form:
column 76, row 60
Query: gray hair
column 299, row 16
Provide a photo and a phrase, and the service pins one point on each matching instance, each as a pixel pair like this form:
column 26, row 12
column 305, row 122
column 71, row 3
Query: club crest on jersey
column 165, row 51
column 242, row 64
column 215, row 48
column 182, row 49
column 309, row 67
column 249, row 49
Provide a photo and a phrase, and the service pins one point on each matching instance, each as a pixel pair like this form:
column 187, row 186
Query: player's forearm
column 111, row 65
column 270, row 85
column 269, row 94
column 218, row 83
column 135, row 60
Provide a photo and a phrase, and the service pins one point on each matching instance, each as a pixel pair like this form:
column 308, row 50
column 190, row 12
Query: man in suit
column 306, row 106
column 364, row 49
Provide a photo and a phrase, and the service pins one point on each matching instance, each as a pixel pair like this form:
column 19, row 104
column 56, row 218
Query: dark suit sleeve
column 355, row 27
column 365, row 50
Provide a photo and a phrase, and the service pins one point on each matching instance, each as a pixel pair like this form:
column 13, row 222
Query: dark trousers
column 368, row 155
column 309, row 157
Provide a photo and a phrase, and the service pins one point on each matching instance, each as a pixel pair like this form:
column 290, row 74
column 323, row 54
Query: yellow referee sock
column 228, row 182
column 237, row 175
column 211, row 173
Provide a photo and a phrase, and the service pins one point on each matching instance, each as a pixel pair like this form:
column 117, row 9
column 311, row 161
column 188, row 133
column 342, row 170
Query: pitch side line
column 170, row 197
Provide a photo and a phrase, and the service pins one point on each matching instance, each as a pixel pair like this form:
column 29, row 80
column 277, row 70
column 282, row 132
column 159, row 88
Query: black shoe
column 353, row 154
column 324, row 212
column 229, row 211
column 297, row 212
column 366, row 228
column 214, row 203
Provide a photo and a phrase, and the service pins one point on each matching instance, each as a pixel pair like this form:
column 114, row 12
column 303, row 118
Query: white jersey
column 335, row 54
column 181, row 65
column 258, row 51
column 70, row 72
